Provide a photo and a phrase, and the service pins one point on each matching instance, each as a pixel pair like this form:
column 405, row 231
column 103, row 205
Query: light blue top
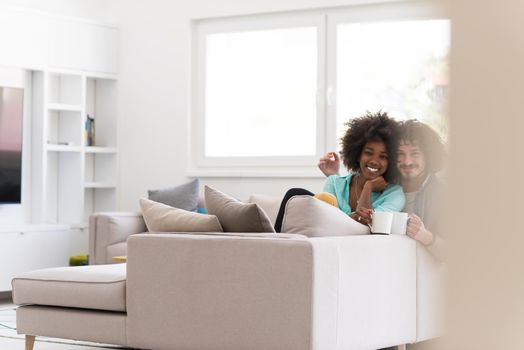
column 391, row 199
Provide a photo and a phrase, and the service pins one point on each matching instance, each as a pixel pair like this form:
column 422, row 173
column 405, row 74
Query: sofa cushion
column 101, row 287
column 270, row 204
column 311, row 217
column 183, row 196
column 163, row 218
column 236, row 216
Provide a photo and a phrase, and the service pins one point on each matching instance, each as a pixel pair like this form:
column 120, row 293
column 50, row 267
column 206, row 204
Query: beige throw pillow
column 236, row 216
column 163, row 218
column 311, row 217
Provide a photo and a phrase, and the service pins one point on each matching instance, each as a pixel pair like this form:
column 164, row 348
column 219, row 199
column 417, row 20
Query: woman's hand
column 417, row 231
column 329, row 163
column 377, row 185
column 362, row 215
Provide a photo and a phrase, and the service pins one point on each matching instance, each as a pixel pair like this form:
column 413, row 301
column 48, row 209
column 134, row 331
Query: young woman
column 369, row 149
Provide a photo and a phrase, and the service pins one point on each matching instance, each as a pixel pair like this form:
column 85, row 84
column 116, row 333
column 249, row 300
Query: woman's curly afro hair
column 371, row 127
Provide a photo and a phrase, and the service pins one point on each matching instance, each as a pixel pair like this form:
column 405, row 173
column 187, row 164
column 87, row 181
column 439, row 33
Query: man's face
column 410, row 160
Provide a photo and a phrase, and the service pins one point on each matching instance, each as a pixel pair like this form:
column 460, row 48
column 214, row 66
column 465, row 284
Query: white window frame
column 201, row 165
column 326, row 22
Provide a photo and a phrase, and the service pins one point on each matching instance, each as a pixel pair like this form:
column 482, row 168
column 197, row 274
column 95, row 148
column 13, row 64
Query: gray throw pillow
column 236, row 216
column 183, row 196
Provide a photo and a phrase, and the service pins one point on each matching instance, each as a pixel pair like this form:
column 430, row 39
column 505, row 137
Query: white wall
column 89, row 9
column 154, row 94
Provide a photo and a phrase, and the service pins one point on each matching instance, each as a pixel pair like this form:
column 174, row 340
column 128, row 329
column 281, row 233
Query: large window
column 261, row 93
column 272, row 93
column 400, row 67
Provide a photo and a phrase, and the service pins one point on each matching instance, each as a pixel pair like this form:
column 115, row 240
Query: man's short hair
column 427, row 139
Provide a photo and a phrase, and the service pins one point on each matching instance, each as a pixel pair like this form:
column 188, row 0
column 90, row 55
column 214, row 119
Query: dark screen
column 11, row 116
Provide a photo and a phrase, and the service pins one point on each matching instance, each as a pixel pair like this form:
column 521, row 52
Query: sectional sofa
column 236, row 291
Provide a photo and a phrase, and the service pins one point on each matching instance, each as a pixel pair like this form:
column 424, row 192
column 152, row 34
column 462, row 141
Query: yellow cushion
column 328, row 198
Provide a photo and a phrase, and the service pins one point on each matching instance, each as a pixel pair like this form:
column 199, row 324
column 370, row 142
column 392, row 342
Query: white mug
column 399, row 224
column 381, row 222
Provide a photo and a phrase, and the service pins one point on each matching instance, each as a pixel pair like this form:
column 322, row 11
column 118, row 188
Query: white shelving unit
column 100, row 160
column 74, row 179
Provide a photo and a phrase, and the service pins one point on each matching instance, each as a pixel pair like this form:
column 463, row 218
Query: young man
column 420, row 156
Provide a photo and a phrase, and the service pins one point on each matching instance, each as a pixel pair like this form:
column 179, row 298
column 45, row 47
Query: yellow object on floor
column 327, row 197
column 79, row 260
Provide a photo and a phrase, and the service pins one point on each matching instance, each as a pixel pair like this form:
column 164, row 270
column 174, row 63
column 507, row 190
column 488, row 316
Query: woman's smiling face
column 374, row 160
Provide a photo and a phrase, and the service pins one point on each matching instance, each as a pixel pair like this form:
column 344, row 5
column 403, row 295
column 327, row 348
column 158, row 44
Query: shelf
column 63, row 148
column 99, row 185
column 88, row 74
column 99, row 149
column 94, row 75
column 64, row 107
column 81, row 226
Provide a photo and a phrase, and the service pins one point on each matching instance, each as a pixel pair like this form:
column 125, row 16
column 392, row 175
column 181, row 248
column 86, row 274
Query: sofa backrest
column 108, row 233
column 270, row 204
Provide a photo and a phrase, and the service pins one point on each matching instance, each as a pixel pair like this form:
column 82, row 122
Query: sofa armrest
column 234, row 292
column 109, row 229
column 375, row 283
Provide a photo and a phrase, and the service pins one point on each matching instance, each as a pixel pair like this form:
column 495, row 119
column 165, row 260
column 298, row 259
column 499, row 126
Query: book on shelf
column 89, row 131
